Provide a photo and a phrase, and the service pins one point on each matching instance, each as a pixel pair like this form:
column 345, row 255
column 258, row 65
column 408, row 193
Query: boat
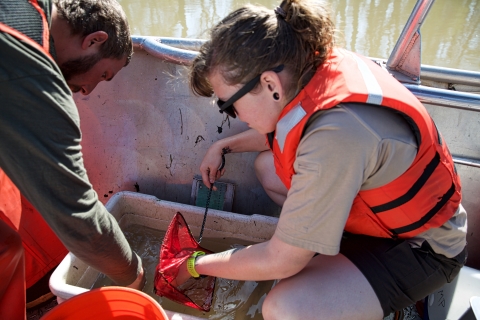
column 145, row 132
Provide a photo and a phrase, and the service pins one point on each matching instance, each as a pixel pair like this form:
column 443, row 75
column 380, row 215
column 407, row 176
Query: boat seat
column 458, row 300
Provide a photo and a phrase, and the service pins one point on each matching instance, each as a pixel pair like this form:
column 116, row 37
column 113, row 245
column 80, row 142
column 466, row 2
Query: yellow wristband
column 191, row 263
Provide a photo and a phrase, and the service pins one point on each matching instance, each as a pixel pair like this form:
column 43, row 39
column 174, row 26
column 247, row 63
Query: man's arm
column 41, row 153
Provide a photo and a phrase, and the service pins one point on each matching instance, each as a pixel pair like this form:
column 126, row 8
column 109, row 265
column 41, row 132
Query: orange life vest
column 425, row 196
column 45, row 46
column 43, row 249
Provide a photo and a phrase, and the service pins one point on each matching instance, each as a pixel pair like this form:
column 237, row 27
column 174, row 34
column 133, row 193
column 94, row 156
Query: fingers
column 212, row 176
column 212, row 179
column 217, row 176
column 139, row 283
column 209, row 179
column 212, row 166
column 206, row 178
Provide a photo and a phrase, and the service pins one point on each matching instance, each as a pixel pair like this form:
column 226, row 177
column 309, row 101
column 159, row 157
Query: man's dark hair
column 88, row 16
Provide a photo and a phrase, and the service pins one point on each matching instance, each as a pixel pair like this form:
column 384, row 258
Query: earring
column 276, row 96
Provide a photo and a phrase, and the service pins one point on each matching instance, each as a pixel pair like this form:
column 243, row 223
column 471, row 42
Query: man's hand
column 139, row 283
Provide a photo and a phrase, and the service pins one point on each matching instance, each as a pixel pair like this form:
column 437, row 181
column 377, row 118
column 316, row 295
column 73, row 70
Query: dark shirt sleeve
column 40, row 151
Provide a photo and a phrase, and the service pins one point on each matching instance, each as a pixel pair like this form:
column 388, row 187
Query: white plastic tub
column 73, row 277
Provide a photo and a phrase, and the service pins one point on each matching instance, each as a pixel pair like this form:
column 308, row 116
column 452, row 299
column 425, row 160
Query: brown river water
column 450, row 33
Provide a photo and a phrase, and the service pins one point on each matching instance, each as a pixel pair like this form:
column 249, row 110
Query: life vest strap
column 429, row 214
column 417, row 186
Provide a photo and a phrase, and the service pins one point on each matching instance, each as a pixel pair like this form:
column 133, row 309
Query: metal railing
column 175, row 50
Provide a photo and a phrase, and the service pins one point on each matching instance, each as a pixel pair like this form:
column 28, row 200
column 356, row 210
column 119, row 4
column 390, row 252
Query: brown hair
column 299, row 34
column 88, row 16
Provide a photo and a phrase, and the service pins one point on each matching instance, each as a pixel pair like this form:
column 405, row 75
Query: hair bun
column 280, row 12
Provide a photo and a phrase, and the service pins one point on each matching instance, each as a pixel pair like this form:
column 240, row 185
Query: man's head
column 105, row 43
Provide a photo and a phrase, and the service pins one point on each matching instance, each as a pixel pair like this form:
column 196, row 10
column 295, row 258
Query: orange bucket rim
column 107, row 300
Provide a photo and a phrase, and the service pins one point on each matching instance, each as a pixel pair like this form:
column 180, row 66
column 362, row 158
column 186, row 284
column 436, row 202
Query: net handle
column 206, row 211
column 222, row 165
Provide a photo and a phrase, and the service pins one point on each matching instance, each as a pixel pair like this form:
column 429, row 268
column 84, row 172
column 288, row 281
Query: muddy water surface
column 232, row 299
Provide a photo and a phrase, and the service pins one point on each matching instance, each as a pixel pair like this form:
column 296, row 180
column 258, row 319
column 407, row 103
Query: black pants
column 399, row 274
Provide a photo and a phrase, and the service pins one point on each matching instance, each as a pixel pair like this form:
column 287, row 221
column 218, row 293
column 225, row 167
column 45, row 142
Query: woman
column 371, row 219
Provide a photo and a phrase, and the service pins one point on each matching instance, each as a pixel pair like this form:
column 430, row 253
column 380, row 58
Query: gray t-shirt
column 346, row 149
column 40, row 152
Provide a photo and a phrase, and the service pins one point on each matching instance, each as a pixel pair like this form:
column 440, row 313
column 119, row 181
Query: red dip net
column 178, row 245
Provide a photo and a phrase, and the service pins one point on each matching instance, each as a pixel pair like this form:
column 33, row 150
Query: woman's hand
column 247, row 141
column 183, row 275
column 209, row 168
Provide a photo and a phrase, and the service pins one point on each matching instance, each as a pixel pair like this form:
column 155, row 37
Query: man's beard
column 79, row 66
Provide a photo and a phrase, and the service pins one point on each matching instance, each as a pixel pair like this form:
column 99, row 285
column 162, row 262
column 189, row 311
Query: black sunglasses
column 227, row 106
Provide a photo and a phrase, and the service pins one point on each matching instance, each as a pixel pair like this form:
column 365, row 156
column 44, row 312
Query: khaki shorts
column 399, row 274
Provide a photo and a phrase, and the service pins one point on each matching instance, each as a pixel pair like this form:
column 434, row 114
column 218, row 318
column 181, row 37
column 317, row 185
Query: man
column 48, row 49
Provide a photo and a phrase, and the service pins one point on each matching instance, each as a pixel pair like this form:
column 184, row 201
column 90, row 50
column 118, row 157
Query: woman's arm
column 273, row 259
